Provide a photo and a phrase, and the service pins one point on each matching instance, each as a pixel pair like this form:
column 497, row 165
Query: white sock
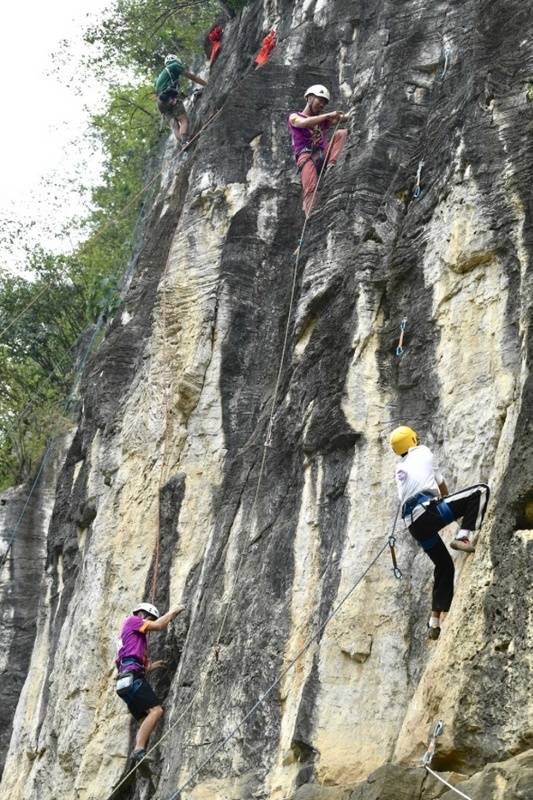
column 462, row 534
column 434, row 622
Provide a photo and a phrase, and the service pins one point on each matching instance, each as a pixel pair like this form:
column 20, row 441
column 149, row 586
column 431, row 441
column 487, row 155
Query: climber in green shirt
column 169, row 100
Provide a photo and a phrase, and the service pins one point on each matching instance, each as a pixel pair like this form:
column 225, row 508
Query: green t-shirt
column 169, row 78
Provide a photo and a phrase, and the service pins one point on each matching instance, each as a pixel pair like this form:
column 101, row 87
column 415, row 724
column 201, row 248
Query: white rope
column 449, row 785
column 261, row 699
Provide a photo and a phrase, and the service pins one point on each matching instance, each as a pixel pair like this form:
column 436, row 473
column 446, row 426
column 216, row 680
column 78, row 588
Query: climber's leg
column 425, row 530
column 337, row 143
column 309, row 174
column 470, row 505
column 147, row 726
column 183, row 124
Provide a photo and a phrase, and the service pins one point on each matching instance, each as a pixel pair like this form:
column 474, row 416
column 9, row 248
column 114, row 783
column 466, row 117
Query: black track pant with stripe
column 469, row 505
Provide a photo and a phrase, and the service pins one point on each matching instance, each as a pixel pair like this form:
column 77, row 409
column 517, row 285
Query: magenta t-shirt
column 307, row 138
column 133, row 643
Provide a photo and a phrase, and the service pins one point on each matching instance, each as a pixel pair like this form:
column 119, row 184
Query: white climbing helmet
column 319, row 91
column 149, row 608
column 170, row 58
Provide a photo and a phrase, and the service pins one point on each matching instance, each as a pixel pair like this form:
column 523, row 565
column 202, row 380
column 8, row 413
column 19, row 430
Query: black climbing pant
column 470, row 505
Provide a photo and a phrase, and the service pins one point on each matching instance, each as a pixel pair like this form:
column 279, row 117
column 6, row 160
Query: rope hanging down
column 268, row 438
column 189, row 705
column 427, row 758
column 267, row 443
column 261, row 699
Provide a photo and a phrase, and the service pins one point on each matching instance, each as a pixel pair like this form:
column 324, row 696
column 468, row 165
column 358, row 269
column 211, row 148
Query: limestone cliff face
column 163, row 483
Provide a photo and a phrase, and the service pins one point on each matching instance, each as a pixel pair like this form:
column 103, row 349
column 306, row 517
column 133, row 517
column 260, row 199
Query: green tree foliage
column 137, row 34
column 67, row 293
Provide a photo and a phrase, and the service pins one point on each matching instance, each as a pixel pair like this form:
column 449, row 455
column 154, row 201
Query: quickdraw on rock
column 400, row 349
column 418, row 190
column 437, row 731
column 447, row 51
column 395, row 568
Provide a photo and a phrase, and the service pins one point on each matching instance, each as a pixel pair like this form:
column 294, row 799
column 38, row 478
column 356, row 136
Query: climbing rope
column 215, row 648
column 449, row 785
column 427, row 758
column 268, row 438
column 261, row 699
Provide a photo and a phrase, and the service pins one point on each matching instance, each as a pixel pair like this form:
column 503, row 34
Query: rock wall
column 25, row 513
column 167, row 487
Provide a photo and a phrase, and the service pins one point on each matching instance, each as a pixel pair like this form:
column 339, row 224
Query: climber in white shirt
column 422, row 489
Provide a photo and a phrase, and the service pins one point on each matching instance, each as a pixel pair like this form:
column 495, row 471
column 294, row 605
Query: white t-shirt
column 417, row 472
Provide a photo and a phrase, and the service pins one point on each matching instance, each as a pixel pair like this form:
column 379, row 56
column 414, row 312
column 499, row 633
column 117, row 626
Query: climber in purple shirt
column 310, row 142
column 133, row 662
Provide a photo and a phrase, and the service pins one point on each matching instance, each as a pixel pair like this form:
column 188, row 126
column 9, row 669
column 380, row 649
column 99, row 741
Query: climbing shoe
column 463, row 543
column 137, row 756
column 433, row 631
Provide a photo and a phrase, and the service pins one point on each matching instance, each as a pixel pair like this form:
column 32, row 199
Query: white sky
column 44, row 118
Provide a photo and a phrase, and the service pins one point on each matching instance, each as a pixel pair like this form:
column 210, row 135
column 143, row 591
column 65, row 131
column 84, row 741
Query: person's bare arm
column 155, row 665
column 161, row 623
column 192, row 77
column 310, row 122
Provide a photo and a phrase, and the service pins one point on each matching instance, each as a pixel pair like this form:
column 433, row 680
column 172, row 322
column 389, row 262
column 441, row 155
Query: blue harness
column 438, row 507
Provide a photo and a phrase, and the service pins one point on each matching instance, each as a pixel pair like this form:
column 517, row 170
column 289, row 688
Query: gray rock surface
column 24, row 516
column 262, row 543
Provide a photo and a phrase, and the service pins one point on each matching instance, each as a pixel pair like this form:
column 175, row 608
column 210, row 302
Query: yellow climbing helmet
column 403, row 438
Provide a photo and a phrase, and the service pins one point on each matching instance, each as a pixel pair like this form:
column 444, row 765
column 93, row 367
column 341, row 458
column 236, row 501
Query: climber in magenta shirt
column 310, row 144
column 132, row 656
column 132, row 663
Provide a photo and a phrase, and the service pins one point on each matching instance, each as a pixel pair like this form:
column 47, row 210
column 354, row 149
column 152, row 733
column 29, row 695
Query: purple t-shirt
column 133, row 643
column 308, row 138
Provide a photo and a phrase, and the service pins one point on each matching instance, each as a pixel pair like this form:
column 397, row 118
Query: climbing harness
column 427, row 758
column 416, row 500
column 443, row 510
column 124, row 684
column 417, row 191
column 400, row 349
